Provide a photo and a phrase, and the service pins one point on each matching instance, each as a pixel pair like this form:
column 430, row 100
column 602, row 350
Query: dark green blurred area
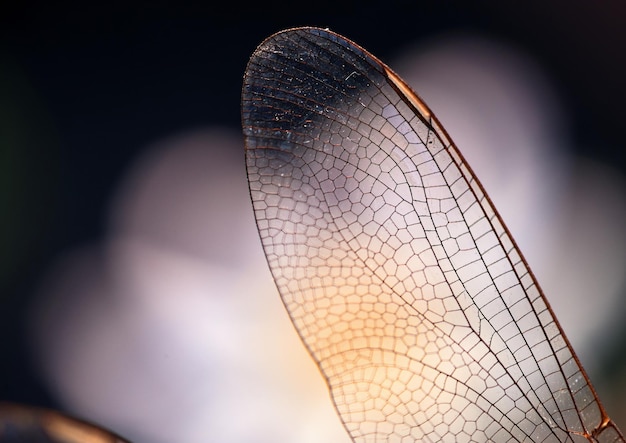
column 29, row 170
column 29, row 186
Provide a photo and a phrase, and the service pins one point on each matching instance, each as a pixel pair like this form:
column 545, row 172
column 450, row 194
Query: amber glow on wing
column 394, row 266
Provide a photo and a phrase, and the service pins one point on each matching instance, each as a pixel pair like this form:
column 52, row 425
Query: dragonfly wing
column 23, row 424
column 397, row 272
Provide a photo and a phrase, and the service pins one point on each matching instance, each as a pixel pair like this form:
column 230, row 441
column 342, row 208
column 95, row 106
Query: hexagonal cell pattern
column 395, row 268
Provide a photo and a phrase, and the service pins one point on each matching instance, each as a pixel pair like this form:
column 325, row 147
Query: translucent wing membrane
column 395, row 268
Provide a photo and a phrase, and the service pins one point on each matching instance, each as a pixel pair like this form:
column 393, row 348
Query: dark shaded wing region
column 396, row 270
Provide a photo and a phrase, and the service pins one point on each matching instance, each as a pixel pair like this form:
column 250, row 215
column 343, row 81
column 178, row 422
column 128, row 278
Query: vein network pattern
column 398, row 273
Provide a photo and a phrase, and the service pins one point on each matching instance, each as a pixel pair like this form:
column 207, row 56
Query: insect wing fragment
column 395, row 268
column 26, row 424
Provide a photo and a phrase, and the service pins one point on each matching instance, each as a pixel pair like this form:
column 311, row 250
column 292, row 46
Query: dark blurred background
column 84, row 86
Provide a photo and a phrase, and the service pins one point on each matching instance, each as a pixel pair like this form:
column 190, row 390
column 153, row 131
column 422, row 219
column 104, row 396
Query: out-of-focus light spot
column 562, row 211
column 172, row 329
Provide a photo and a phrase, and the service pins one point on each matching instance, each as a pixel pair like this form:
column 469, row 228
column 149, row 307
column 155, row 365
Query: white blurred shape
column 173, row 330
column 189, row 194
column 566, row 218
column 503, row 116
